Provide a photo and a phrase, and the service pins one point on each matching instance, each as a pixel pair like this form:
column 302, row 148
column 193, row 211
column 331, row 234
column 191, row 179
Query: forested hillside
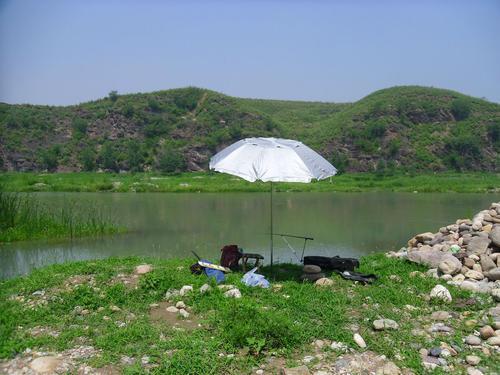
column 407, row 128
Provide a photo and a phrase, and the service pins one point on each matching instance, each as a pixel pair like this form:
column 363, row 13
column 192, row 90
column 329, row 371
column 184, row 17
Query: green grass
column 23, row 217
column 216, row 182
column 281, row 322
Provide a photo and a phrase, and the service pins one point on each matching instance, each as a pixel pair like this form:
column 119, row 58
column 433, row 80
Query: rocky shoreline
column 465, row 254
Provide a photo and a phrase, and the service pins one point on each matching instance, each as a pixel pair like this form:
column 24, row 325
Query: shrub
column 156, row 128
column 154, row 105
column 87, row 158
column 134, row 156
column 393, row 147
column 49, row 158
column 460, row 108
column 128, row 110
column 108, row 157
column 187, row 99
column 461, row 152
column 79, row 126
column 113, row 95
column 494, row 132
column 376, row 130
column 340, row 161
column 171, row 160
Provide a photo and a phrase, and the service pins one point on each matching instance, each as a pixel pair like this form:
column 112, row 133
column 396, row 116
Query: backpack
column 230, row 256
column 332, row 264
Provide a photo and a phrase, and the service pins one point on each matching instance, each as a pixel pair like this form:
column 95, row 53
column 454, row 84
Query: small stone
column 486, row 332
column 440, row 292
column 359, row 340
column 487, row 263
column 435, row 352
column 473, row 340
column 458, row 278
column 234, row 293
column 495, row 341
column 475, row 275
column 495, row 293
column 468, row 262
column 180, row 305
column 114, row 308
column 440, row 315
column 473, row 371
column 450, row 266
column 311, row 268
column 494, row 273
column 381, row 324
column 473, row 360
column 205, row 288
column 324, row 282
column 308, row 359
column 301, row 370
column 185, row 290
column 172, row 309
column 142, row 269
column 45, row 365
column 259, row 372
column 319, row 343
column 184, row 313
column 470, row 323
column 389, row 368
column 145, row 360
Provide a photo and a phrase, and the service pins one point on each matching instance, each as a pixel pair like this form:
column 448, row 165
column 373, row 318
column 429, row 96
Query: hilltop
column 407, row 128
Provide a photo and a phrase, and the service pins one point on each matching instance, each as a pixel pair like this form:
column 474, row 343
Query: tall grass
column 23, row 217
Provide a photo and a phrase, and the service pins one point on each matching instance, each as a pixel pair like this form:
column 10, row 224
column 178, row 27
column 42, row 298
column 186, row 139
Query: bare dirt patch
column 161, row 315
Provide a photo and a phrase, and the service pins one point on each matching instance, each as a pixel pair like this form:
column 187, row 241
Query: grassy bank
column 100, row 304
column 216, row 182
column 23, row 217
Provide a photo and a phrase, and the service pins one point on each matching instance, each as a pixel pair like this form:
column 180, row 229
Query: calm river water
column 172, row 225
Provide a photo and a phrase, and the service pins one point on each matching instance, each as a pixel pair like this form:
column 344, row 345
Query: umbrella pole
column 271, row 213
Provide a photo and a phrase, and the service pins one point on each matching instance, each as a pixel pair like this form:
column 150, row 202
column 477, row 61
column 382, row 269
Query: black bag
column 335, row 263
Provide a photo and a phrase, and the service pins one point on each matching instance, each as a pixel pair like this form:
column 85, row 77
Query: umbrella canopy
column 272, row 159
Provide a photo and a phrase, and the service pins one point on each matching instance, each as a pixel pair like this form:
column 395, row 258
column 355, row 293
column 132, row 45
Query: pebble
column 308, row 359
column 486, row 332
column 172, row 309
column 473, row 371
column 473, row 360
column 259, row 372
column 184, row 313
column 324, row 282
column 381, row 324
column 435, row 352
column 180, row 305
column 234, row 293
column 473, row 340
column 185, row 290
column 359, row 340
column 495, row 341
column 205, row 288
column 440, row 292
column 440, row 315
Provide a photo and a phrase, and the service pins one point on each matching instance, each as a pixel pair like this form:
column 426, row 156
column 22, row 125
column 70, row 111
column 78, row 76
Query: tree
column 128, row 110
column 87, row 158
column 49, row 158
column 79, row 126
column 134, row 156
column 113, row 95
column 108, row 157
column 171, row 160
column 460, row 108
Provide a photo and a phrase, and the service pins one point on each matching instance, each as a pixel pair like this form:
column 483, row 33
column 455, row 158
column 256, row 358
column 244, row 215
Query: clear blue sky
column 66, row 52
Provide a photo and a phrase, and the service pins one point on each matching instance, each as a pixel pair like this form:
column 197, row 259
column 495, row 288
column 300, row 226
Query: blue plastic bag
column 254, row 279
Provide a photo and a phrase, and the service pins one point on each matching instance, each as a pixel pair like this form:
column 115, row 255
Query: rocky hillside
column 409, row 128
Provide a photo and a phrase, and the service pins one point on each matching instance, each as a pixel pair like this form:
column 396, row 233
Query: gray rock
column 478, row 245
column 493, row 274
column 475, row 275
column 422, row 237
column 495, row 341
column 435, row 352
column 440, row 292
column 473, row 340
column 311, row 268
column 473, row 371
column 495, row 293
column 486, row 332
column 471, row 286
column 440, row 327
column 473, row 360
column 487, row 263
column 205, row 288
column 45, row 365
column 430, row 258
column 450, row 265
column 440, row 315
column 381, row 324
column 359, row 340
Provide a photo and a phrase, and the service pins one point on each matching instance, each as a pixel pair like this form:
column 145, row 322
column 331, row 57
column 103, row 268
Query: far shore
column 211, row 182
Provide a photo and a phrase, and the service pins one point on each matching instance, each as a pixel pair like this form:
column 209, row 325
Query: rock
column 234, row 293
column 475, row 275
column 458, row 278
column 114, row 308
column 430, row 258
column 142, row 269
column 422, row 237
column 486, row 332
column 324, row 282
column 478, row 245
column 184, row 313
column 308, row 359
column 473, row 371
column 472, row 360
column 172, row 309
column 435, row 352
column 469, row 285
column 45, row 365
column 450, row 266
column 487, row 263
column 473, row 340
column 493, row 274
column 440, row 315
column 185, row 290
column 311, row 268
column 205, row 288
column 495, row 341
column 440, row 292
column 477, row 267
column 381, row 324
column 180, row 305
column 440, row 327
column 495, row 293
column 495, row 235
column 359, row 340
column 388, row 368
column 301, row 370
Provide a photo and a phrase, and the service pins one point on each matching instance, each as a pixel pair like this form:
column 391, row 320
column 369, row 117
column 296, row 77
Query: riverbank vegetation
column 216, row 182
column 23, row 217
column 118, row 319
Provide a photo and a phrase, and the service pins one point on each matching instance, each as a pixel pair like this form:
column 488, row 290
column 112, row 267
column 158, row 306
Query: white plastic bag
column 254, row 279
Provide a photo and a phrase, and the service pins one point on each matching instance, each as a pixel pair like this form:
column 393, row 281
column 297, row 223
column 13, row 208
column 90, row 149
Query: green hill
column 409, row 128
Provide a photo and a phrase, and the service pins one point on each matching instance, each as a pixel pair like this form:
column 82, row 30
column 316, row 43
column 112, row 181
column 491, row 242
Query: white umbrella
column 274, row 160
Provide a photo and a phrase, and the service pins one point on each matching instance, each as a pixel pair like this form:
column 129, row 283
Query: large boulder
column 495, row 235
column 430, row 258
column 478, row 245
column 450, row 265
